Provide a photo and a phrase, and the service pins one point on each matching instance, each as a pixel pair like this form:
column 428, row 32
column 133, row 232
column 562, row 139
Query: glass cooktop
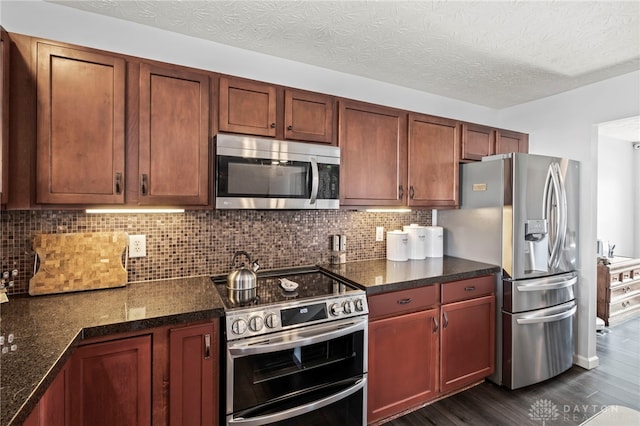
column 312, row 283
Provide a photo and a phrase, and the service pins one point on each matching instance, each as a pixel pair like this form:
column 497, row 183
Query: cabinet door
column 80, row 127
column 174, row 136
column 433, row 161
column 373, row 155
column 308, row 116
column 477, row 141
column 402, row 363
column 193, row 375
column 467, row 342
column 247, row 107
column 110, row 383
column 508, row 141
column 52, row 409
column 4, row 115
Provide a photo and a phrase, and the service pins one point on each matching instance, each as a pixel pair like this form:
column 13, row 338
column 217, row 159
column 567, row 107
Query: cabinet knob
column 143, row 184
column 400, row 192
column 118, row 183
column 207, row 346
column 289, row 127
column 273, row 125
column 411, row 192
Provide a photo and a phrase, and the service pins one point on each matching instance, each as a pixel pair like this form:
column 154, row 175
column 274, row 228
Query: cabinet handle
column 207, row 346
column 445, row 321
column 627, row 289
column 404, row 301
column 401, row 190
column 273, row 125
column 143, row 185
column 472, row 288
column 118, row 183
column 411, row 192
column 289, row 127
column 435, row 324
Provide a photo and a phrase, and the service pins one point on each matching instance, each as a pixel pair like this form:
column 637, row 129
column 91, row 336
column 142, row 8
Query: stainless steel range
column 295, row 350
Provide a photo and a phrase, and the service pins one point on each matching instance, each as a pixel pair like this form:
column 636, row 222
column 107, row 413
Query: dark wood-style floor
column 577, row 394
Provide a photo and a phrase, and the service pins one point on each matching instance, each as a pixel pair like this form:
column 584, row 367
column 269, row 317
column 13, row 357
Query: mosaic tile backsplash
column 203, row 242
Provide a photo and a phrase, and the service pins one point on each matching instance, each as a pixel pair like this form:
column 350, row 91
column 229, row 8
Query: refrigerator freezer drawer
column 538, row 293
column 537, row 345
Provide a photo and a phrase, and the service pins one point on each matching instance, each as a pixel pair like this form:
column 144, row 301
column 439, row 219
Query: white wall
column 566, row 125
column 618, row 185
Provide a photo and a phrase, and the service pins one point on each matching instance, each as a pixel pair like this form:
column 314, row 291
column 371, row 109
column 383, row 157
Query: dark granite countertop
column 45, row 329
column 382, row 276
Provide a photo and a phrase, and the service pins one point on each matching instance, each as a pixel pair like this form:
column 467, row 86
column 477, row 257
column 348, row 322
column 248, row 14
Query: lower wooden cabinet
column 111, row 382
column 403, row 353
column 193, row 375
column 53, row 408
column 467, row 342
column 428, row 342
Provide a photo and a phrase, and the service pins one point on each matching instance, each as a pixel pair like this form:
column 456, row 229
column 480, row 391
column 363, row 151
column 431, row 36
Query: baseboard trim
column 586, row 363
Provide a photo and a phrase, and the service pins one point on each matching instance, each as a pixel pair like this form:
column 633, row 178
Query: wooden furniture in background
column 618, row 289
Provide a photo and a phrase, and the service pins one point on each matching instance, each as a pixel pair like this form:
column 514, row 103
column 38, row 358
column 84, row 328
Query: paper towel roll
column 397, row 246
column 434, row 241
column 417, row 240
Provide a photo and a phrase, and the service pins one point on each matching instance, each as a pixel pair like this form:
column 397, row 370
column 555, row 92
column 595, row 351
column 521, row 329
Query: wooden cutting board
column 79, row 261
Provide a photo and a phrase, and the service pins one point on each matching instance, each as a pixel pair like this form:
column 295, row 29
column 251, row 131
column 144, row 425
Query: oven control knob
column 271, row 320
column 348, row 307
column 256, row 323
column 359, row 306
column 336, row 310
column 239, row 326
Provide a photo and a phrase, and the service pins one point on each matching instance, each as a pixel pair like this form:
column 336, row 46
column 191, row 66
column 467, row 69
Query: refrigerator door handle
column 548, row 318
column 549, row 286
column 554, row 209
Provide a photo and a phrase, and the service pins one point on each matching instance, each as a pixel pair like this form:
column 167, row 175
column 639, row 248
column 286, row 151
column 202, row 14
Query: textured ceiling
column 627, row 129
column 496, row 54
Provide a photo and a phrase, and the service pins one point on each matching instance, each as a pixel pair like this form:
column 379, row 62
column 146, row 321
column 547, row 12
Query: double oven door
column 313, row 375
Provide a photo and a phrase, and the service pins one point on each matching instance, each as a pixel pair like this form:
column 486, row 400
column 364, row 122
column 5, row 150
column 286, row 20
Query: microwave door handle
column 315, row 179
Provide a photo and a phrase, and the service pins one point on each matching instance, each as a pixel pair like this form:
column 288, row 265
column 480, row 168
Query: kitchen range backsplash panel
column 203, row 242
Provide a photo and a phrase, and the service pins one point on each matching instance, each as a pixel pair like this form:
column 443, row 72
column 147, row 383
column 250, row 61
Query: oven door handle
column 296, row 411
column 302, row 338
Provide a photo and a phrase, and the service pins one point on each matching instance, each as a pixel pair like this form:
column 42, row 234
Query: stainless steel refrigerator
column 520, row 211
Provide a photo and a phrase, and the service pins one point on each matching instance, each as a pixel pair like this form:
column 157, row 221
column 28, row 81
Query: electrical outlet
column 379, row 233
column 137, row 246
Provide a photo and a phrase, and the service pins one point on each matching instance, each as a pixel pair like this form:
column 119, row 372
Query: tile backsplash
column 203, row 242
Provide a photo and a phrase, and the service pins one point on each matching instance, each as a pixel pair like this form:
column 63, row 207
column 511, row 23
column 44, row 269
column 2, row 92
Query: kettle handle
column 238, row 253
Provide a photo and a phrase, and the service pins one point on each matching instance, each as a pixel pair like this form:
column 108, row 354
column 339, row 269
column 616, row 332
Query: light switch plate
column 137, row 246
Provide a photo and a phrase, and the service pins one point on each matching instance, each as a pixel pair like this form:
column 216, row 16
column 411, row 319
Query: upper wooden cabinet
column 373, row 155
column 433, row 161
column 508, row 141
column 174, row 136
column 80, row 127
column 5, row 44
column 308, row 116
column 480, row 141
column 477, row 141
column 255, row 108
column 247, row 107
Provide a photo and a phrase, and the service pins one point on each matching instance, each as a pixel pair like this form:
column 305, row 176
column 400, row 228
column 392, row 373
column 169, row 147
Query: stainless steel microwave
column 260, row 173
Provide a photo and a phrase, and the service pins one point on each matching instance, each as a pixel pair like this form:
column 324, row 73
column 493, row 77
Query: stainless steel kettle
column 243, row 278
